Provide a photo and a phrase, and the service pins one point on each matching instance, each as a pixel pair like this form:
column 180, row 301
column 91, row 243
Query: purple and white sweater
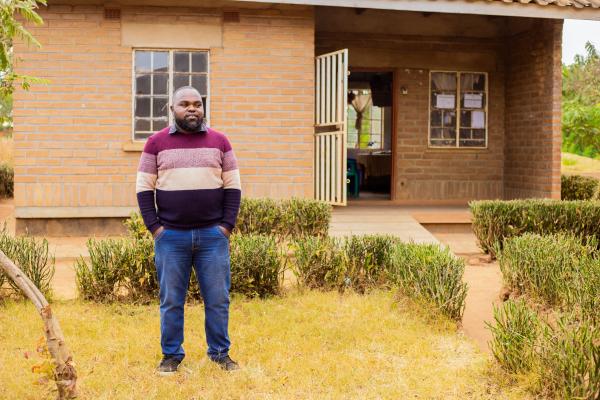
column 187, row 181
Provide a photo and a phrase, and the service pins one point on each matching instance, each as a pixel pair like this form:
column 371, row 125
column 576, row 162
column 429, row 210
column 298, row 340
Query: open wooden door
column 330, row 163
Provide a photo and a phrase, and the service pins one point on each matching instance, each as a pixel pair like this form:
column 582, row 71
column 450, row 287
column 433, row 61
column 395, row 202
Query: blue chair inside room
column 353, row 177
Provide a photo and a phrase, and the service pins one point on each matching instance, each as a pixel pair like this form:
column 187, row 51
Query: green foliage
column 369, row 259
column 100, row 278
column 581, row 104
column 561, row 351
column 7, row 180
column 32, row 256
column 120, row 269
column 427, row 272
column 496, row 220
column 284, row 218
column 570, row 359
column 581, row 128
column 515, row 331
column 320, row 262
column 424, row 272
column 577, row 187
column 257, row 265
column 556, row 270
column 124, row 269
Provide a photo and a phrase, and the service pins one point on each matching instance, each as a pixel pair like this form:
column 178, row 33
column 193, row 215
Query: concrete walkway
column 391, row 220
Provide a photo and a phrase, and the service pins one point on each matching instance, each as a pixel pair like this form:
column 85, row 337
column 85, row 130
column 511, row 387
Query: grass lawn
column 575, row 164
column 6, row 150
column 308, row 345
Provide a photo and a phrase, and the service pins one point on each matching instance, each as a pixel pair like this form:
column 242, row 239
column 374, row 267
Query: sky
column 575, row 34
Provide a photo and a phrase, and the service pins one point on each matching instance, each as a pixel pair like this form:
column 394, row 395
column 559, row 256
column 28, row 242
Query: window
column 365, row 121
column 156, row 74
column 461, row 123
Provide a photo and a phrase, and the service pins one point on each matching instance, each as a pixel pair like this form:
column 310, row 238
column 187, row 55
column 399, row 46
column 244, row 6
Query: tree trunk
column 64, row 372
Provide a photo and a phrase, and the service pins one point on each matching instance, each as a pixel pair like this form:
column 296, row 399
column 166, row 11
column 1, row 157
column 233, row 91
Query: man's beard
column 189, row 126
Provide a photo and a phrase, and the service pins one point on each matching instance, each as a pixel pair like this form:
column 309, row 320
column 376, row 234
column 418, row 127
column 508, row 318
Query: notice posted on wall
column 473, row 100
column 445, row 101
column 478, row 120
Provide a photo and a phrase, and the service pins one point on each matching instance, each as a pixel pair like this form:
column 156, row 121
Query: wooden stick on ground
column 64, row 373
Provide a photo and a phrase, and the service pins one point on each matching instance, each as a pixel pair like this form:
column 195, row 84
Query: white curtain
column 360, row 104
column 444, row 81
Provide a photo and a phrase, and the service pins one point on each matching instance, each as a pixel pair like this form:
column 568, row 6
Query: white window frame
column 171, row 52
column 458, row 110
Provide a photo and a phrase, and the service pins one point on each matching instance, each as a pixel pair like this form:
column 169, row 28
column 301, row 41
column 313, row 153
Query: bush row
column 577, row 187
column 560, row 350
column 7, row 180
column 496, row 220
column 559, row 271
column 284, row 218
column 32, row 256
column 124, row 270
column 424, row 272
column 553, row 330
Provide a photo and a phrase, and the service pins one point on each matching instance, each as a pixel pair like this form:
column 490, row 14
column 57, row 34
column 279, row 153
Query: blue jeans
column 176, row 252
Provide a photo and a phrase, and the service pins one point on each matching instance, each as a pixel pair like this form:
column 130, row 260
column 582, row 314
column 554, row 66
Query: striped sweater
column 187, row 181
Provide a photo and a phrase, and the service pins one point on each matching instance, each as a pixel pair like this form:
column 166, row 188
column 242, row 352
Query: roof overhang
column 489, row 7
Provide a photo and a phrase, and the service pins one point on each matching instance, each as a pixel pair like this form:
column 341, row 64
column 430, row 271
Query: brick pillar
column 533, row 112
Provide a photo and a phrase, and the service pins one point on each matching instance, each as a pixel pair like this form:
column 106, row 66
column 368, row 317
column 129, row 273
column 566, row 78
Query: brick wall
column 69, row 134
column 424, row 173
column 533, row 112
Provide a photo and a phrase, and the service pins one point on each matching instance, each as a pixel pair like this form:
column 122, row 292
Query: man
column 188, row 190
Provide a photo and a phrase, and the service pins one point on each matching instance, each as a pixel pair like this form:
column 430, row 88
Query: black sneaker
column 227, row 364
column 168, row 366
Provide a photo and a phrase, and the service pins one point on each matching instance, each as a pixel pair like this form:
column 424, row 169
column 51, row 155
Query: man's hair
column 176, row 92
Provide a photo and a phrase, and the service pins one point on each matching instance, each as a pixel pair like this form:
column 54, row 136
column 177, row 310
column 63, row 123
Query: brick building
column 445, row 101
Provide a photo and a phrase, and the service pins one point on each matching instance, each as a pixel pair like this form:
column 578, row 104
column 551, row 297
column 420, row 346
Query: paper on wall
column 444, row 101
column 477, row 119
column 473, row 100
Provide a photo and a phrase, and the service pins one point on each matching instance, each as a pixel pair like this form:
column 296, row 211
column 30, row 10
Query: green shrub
column 557, row 270
column 301, row 217
column 284, row 218
column 515, row 332
column 356, row 262
column 257, row 265
column 424, row 272
column 496, row 220
column 430, row 273
column 560, row 350
column 570, row 360
column 319, row 262
column 121, row 269
column 100, row 279
column 136, row 228
column 577, row 187
column 7, row 180
column 369, row 258
column 32, row 256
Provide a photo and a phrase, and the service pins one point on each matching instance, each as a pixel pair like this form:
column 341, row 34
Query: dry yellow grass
column 301, row 346
column 575, row 164
column 6, row 151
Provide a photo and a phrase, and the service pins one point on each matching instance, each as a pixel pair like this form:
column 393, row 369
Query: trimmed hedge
column 496, row 220
column 7, row 180
column 577, row 187
column 557, row 270
column 424, row 272
column 124, row 269
column 284, row 218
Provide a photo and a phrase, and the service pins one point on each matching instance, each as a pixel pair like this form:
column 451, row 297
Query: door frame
column 394, row 72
